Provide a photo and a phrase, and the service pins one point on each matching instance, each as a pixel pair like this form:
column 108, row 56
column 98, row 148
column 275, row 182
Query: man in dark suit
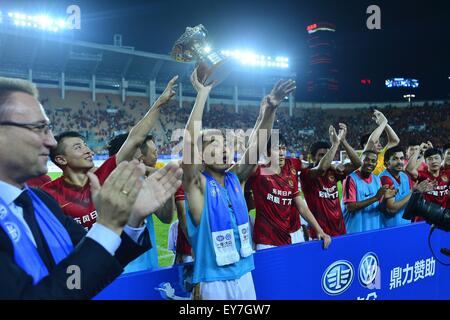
column 40, row 247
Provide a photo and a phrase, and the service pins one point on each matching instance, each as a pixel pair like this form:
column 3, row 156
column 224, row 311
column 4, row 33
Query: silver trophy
column 193, row 46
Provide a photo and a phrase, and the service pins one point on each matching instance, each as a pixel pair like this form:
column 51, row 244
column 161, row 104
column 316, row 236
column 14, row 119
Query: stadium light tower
column 257, row 60
column 39, row 21
column 409, row 97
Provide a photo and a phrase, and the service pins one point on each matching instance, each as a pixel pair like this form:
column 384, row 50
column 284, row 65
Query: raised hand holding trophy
column 193, row 46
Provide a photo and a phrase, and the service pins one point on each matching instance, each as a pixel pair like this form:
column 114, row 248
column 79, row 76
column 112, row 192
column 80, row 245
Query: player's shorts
column 183, row 258
column 296, row 237
column 239, row 289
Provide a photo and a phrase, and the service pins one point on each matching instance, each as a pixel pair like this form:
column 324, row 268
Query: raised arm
column 382, row 122
column 165, row 213
column 325, row 163
column 144, row 126
column 355, row 161
column 191, row 158
column 413, row 164
column 268, row 108
column 393, row 139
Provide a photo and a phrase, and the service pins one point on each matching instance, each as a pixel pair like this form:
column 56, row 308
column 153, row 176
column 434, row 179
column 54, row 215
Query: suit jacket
column 97, row 267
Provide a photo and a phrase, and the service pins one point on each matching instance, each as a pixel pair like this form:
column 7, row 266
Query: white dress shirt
column 107, row 238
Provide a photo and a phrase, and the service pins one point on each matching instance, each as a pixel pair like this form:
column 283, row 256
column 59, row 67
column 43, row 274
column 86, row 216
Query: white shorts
column 296, row 237
column 239, row 289
column 187, row 258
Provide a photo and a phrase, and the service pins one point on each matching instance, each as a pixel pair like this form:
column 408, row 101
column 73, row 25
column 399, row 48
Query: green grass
column 165, row 257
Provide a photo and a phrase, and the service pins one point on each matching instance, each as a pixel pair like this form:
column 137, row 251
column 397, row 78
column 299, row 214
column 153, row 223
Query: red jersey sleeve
column 387, row 181
column 296, row 163
column 305, row 178
column 105, row 169
column 421, row 175
column 253, row 176
column 179, row 195
column 349, row 190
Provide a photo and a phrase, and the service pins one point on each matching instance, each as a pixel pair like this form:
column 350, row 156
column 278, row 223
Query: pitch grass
column 165, row 257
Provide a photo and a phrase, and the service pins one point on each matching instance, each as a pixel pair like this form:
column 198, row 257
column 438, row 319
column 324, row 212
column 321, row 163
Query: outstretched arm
column 351, row 153
column 393, row 139
column 191, row 157
column 382, row 122
column 268, row 109
column 413, row 165
column 139, row 132
column 325, row 163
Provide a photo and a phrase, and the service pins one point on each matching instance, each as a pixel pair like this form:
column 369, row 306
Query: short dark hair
column 281, row 142
column 8, row 86
column 116, row 143
column 390, row 152
column 316, row 146
column 369, row 151
column 60, row 139
column 431, row 152
column 413, row 143
column 144, row 146
column 445, row 147
column 363, row 140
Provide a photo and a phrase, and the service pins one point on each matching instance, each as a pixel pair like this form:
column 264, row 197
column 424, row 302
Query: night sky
column 414, row 40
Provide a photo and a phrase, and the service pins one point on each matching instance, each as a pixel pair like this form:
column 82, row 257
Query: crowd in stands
column 78, row 112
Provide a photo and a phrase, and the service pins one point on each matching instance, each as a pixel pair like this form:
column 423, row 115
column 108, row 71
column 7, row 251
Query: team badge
column 291, row 183
column 445, row 178
column 332, row 178
column 293, row 171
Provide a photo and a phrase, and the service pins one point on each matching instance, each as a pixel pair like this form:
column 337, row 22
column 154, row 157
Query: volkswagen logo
column 13, row 231
column 338, row 277
column 368, row 269
column 228, row 236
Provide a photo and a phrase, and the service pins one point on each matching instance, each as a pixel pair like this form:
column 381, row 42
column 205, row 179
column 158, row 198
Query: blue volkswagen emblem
column 228, row 236
column 368, row 269
column 338, row 277
column 13, row 231
column 3, row 212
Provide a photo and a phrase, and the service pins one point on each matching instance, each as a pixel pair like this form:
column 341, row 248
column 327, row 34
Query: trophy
column 193, row 46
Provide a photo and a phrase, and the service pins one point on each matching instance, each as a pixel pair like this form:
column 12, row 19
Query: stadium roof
column 49, row 55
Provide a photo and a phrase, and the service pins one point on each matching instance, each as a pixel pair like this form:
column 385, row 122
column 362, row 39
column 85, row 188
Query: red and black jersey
column 322, row 196
column 276, row 214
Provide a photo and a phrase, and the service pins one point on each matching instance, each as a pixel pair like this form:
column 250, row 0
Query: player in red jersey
column 278, row 202
column 446, row 162
column 319, row 184
column 74, row 157
column 183, row 247
column 434, row 172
